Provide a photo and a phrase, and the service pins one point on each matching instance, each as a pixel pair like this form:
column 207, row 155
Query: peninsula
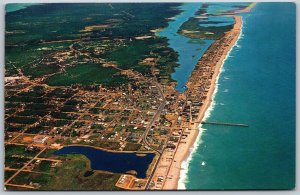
column 201, row 87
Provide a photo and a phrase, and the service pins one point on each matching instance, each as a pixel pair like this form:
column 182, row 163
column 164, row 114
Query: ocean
column 12, row 7
column 256, row 87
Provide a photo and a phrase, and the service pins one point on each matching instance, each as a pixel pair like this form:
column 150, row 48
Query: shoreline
column 183, row 151
column 207, row 113
column 196, row 143
column 106, row 150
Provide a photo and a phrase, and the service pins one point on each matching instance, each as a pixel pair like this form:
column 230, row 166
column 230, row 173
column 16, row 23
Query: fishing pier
column 227, row 124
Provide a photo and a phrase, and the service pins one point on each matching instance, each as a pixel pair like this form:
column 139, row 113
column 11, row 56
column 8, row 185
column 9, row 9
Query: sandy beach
column 184, row 148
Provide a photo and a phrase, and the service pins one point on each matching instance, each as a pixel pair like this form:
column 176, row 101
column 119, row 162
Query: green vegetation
column 64, row 20
column 56, row 123
column 195, row 26
column 191, row 28
column 37, row 129
column 48, row 153
column 133, row 129
column 38, row 106
column 11, row 150
column 34, row 113
column 14, row 128
column 97, row 126
column 16, row 156
column 129, row 56
column 87, row 74
column 118, row 128
column 108, row 119
column 22, row 120
column 36, row 179
column 72, row 172
column 43, row 166
column 132, row 147
column 30, row 54
column 36, row 91
column 110, row 111
column 99, row 104
column 20, row 56
column 15, row 162
column 167, row 62
column 96, row 110
column 8, row 174
column 110, row 145
column 40, row 70
column 101, row 30
column 67, row 108
column 61, row 115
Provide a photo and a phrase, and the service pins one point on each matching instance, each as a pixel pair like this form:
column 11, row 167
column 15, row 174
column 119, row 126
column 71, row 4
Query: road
column 26, row 164
column 157, row 114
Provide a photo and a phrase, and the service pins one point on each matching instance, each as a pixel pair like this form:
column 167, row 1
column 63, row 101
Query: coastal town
column 142, row 115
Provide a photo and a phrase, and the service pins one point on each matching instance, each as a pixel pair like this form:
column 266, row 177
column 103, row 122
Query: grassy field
column 132, row 147
column 39, row 179
column 19, row 150
column 72, row 173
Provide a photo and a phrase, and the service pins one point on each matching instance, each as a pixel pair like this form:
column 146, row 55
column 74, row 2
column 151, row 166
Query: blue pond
column 115, row 162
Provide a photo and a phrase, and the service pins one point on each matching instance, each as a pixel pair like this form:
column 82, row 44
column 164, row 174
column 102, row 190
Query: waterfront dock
column 227, row 124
